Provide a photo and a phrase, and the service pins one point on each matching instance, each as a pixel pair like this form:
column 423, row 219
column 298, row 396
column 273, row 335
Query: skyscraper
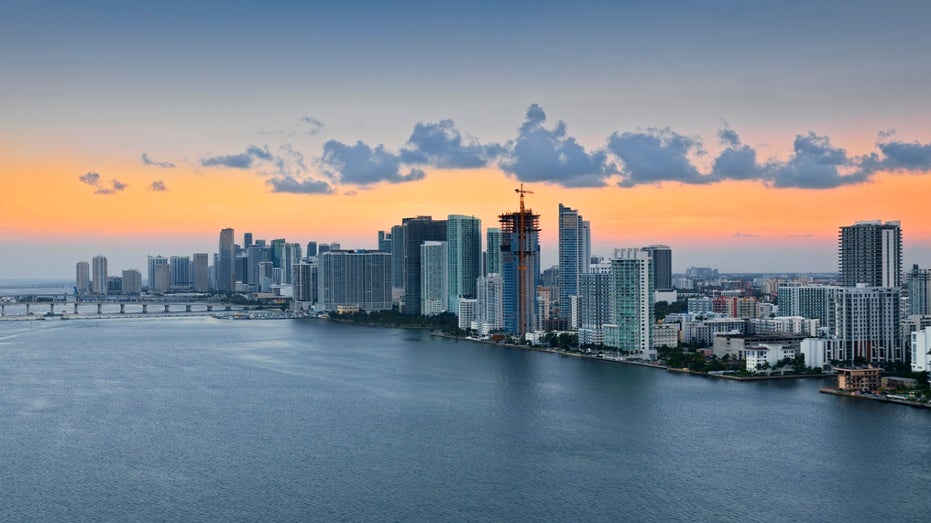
column 416, row 231
column 919, row 291
column 151, row 262
column 384, row 241
column 397, row 256
column 132, row 282
column 181, row 278
column 574, row 254
column 99, row 279
column 631, row 301
column 662, row 266
column 490, row 294
column 520, row 261
column 291, row 256
column 225, row 262
column 311, row 249
column 493, row 251
column 594, row 304
column 82, row 277
column 434, row 280
column 870, row 252
column 354, row 279
column 201, row 272
column 464, row 244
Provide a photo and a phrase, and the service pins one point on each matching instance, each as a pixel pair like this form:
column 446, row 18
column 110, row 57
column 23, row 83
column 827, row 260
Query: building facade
column 225, row 261
column 434, row 280
column 631, row 300
column 359, row 279
column 520, row 265
column 99, row 275
column 662, row 266
column 870, row 253
column 574, row 254
column 464, row 257
column 82, row 277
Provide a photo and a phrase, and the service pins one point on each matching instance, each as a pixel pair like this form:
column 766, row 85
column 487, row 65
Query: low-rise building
column 858, row 379
column 768, row 355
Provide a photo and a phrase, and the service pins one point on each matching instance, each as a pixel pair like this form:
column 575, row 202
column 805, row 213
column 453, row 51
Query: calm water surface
column 208, row 420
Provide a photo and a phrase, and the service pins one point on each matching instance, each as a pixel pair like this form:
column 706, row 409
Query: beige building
column 861, row 379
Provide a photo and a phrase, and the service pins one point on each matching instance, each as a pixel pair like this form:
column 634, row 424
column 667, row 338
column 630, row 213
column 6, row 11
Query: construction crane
column 522, row 261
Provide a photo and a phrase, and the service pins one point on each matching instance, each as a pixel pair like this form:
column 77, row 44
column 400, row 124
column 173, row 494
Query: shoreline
column 632, row 362
column 874, row 397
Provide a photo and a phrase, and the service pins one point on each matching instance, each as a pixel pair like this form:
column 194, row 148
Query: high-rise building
column 919, row 291
column 662, row 266
column 82, row 277
column 434, row 280
column 866, row 322
column 870, row 252
column 354, row 279
column 162, row 280
column 594, row 304
column 520, row 262
column 255, row 255
column 384, row 241
column 416, row 231
column 201, row 272
column 397, row 256
column 264, row 275
column 246, row 240
column 181, row 277
column 311, row 249
column 631, row 300
column 305, row 284
column 808, row 301
column 493, row 251
column 574, row 254
column 99, row 275
column 151, row 262
column 489, row 315
column 225, row 270
column 291, row 256
column 277, row 252
column 464, row 244
column 132, row 282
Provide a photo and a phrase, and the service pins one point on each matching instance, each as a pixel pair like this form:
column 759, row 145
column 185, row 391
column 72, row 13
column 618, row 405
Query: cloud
column 656, row 155
column 158, row 186
column 736, row 161
column 898, row 156
column 287, row 184
column 152, row 163
column 815, row 164
column 244, row 160
column 360, row 164
column 116, row 186
column 442, row 145
column 289, row 162
column 314, row 126
column 542, row 155
column 90, row 178
column 745, row 235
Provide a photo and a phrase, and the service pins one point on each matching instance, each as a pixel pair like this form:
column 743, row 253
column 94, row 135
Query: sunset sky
column 742, row 134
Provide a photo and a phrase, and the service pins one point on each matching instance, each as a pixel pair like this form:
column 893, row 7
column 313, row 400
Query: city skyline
column 742, row 136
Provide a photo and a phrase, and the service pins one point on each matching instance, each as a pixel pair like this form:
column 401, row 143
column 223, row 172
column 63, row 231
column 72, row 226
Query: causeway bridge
column 64, row 304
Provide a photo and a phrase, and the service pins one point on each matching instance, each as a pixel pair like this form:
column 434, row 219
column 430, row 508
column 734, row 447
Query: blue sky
column 199, row 85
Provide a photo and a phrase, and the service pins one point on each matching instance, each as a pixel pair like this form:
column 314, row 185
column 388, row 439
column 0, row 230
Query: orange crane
column 522, row 261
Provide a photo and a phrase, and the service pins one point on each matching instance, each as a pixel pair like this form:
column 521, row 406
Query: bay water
column 202, row 419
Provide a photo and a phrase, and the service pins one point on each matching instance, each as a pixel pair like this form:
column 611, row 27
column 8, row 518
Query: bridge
column 60, row 304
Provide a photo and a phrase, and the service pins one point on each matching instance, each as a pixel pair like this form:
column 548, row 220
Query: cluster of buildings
column 874, row 313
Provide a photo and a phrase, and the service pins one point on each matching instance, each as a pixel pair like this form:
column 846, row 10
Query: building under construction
column 520, row 266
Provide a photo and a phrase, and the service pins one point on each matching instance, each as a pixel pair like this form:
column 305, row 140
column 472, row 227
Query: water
column 200, row 419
